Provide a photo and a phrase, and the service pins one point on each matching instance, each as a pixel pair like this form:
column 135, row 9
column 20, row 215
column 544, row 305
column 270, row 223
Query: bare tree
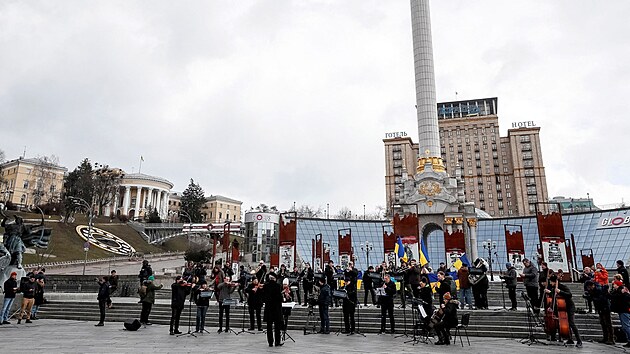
column 106, row 184
column 307, row 211
column 41, row 179
column 344, row 214
column 264, row 208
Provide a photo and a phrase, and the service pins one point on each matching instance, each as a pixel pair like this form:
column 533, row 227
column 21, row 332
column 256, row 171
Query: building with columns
column 139, row 194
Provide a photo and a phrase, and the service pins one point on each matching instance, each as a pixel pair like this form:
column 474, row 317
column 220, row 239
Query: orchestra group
column 273, row 292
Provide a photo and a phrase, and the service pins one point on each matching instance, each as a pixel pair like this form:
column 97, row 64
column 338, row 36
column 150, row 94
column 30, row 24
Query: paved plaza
column 65, row 336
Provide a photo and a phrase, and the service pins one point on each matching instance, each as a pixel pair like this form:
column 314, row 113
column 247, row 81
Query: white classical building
column 139, row 194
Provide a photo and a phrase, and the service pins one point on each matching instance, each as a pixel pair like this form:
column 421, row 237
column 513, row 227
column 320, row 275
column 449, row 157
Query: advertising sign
column 555, row 254
column 287, row 255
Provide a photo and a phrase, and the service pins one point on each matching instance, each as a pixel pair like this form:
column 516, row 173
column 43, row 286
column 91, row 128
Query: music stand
column 532, row 321
column 339, row 294
column 415, row 307
column 401, row 278
column 357, row 330
column 209, row 294
column 190, row 301
column 287, row 305
column 227, row 303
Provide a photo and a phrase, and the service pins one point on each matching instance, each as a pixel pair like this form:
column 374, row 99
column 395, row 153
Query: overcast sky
column 281, row 101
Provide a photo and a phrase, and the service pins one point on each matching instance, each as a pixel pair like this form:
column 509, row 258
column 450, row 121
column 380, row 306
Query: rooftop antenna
column 24, row 153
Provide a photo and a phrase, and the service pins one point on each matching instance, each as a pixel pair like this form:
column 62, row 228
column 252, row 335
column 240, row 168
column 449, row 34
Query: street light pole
column 367, row 247
column 490, row 245
column 90, row 210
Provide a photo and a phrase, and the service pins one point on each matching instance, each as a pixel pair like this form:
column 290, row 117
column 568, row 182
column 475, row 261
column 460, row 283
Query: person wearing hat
column 27, row 288
column 145, row 272
column 530, row 280
column 600, row 296
column 10, row 289
column 510, row 284
column 272, row 296
column 620, row 303
column 261, row 271
column 148, row 299
column 448, row 321
column 555, row 287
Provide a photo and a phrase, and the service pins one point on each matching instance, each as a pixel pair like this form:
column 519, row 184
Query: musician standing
column 445, row 285
column 530, row 280
column 600, row 297
column 448, row 321
column 324, row 301
column 426, row 295
column 330, row 272
column 272, row 295
column 510, row 284
column 555, row 287
column 368, row 286
column 543, row 275
column 254, row 303
column 225, row 290
column 350, row 302
column 481, row 285
column 179, row 292
column 413, row 277
column 296, row 275
column 387, row 303
column 261, row 271
column 465, row 291
column 307, row 276
column 202, row 302
column 287, row 296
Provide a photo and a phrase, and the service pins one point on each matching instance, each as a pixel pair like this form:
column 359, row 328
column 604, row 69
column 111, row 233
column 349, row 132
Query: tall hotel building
column 503, row 176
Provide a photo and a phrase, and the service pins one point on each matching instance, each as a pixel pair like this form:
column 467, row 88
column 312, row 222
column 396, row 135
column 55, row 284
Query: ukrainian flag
column 460, row 261
column 423, row 257
column 400, row 250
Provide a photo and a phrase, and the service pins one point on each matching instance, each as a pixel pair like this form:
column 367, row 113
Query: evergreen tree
column 193, row 199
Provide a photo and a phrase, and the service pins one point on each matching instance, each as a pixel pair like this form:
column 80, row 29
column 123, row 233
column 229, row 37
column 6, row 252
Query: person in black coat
column 425, row 293
column 10, row 288
column 448, row 321
column 324, row 301
column 368, row 286
column 145, row 272
column 254, row 303
column 621, row 269
column 272, row 295
column 562, row 290
column 179, row 291
column 350, row 302
column 445, row 285
column 601, row 300
column 102, row 297
column 387, row 303
column 202, row 301
column 510, row 283
column 307, row 276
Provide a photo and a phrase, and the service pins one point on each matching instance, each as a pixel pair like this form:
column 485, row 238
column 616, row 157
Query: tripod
column 245, row 305
column 532, row 321
column 309, row 318
column 286, row 323
column 414, row 316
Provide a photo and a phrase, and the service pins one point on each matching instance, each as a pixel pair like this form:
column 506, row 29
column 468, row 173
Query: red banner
column 407, row 228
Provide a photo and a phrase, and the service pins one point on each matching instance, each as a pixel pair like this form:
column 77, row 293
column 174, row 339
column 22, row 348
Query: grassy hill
column 66, row 244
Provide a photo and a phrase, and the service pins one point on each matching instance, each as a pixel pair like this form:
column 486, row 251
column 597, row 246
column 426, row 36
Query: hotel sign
column 526, row 124
column 613, row 222
column 395, row 135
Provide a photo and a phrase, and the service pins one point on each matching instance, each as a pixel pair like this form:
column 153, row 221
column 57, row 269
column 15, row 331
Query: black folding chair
column 463, row 325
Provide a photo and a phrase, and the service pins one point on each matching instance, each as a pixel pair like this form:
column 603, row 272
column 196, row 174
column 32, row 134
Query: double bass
column 556, row 316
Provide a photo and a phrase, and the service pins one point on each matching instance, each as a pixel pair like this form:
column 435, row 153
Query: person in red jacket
column 601, row 275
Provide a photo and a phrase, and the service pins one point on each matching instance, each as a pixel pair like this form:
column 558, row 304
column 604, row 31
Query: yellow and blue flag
column 400, row 250
column 423, row 257
column 460, row 261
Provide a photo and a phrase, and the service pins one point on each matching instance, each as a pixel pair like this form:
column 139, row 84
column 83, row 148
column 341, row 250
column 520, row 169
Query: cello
column 556, row 316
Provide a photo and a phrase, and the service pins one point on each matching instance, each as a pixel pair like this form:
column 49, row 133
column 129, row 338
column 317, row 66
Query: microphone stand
column 402, row 288
column 190, row 301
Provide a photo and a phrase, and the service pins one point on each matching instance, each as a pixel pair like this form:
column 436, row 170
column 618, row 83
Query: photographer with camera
column 179, row 291
column 307, row 276
column 102, row 297
column 324, row 301
column 510, row 283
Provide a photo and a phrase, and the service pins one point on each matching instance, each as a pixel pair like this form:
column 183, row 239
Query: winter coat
column 179, row 293
column 150, row 295
column 510, row 278
column 272, row 296
column 8, row 287
column 462, row 276
column 103, row 291
column 530, row 276
column 601, row 277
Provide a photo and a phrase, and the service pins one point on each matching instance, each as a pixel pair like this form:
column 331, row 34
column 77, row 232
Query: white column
column 473, row 238
column 165, row 206
column 126, row 200
column 116, row 201
column 138, row 199
column 150, row 199
column 158, row 207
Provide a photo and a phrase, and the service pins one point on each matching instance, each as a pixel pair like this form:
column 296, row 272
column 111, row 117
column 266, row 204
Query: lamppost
column 82, row 203
column 490, row 245
column 180, row 213
column 367, row 247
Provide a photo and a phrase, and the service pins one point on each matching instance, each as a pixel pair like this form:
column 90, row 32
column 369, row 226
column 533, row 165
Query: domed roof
column 142, row 176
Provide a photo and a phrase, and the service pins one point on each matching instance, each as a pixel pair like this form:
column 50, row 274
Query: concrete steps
column 483, row 322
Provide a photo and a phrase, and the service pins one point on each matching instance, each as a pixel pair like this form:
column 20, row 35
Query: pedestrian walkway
column 66, row 336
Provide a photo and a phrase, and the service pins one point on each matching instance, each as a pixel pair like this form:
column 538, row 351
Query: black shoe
column 171, row 333
column 29, row 321
column 250, row 329
column 260, row 329
column 279, row 344
column 627, row 345
column 569, row 342
column 439, row 343
column 148, row 323
column 6, row 322
column 34, row 318
column 100, row 324
column 19, row 321
column 578, row 345
column 271, row 344
column 178, row 332
column 220, row 330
